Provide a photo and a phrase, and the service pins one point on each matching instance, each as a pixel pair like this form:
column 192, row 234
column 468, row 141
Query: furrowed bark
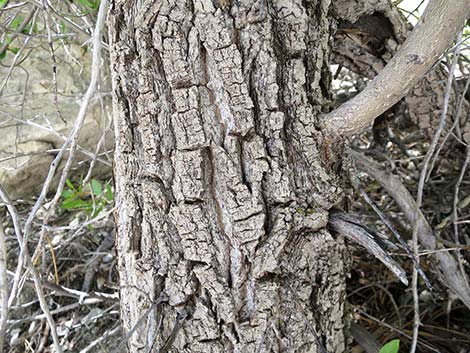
column 221, row 190
column 437, row 28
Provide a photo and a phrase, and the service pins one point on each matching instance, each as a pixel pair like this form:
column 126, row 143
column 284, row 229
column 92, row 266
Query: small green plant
column 90, row 4
column 14, row 26
column 91, row 198
column 391, row 347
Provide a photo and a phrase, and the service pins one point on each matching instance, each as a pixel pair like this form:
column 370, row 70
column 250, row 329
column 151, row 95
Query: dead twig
column 422, row 180
column 20, row 29
column 95, row 72
column 73, row 293
column 101, row 339
column 47, row 20
column 404, row 245
column 449, row 274
column 455, row 208
column 3, row 286
column 30, row 267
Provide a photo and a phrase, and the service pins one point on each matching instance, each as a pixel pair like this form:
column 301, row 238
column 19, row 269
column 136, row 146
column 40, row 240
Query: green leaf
column 89, row 4
column 95, row 211
column 92, row 198
column 17, row 21
column 109, row 193
column 66, row 194
column 14, row 50
column 96, row 187
column 73, row 204
column 70, row 185
column 2, row 55
column 391, row 347
column 2, row 3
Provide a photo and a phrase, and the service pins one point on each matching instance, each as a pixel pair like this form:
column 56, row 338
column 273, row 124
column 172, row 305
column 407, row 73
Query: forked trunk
column 223, row 183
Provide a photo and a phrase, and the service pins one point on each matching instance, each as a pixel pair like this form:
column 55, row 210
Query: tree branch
column 437, row 28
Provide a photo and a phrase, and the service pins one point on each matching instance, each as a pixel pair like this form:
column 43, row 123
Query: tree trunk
column 223, row 184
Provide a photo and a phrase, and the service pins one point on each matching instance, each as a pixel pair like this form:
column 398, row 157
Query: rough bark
column 222, row 184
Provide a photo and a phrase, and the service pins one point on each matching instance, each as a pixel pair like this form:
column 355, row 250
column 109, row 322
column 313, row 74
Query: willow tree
column 227, row 165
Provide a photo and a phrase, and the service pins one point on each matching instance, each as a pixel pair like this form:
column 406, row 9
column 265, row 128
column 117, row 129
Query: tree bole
column 222, row 187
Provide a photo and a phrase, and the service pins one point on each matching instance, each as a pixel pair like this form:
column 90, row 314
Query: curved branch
column 437, row 28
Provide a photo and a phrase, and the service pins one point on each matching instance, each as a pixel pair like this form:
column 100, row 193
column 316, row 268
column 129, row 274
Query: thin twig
column 49, row 129
column 455, row 125
column 394, row 329
column 404, row 245
column 448, row 271
column 20, row 29
column 71, row 140
column 3, row 286
column 455, row 207
column 47, row 22
column 60, row 310
column 419, row 197
column 139, row 322
column 74, row 293
column 29, row 266
column 101, row 339
column 14, row 62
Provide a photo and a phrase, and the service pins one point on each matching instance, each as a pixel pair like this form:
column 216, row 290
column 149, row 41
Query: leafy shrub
column 91, row 198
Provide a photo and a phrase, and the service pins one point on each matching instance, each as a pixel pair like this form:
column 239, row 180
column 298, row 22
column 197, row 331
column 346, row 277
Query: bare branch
column 437, row 28
column 419, row 197
column 71, row 142
column 449, row 273
column 29, row 266
column 3, row 286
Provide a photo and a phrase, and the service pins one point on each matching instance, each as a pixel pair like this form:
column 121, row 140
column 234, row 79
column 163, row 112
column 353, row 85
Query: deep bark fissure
column 223, row 165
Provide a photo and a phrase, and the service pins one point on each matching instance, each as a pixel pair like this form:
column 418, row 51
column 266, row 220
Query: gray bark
column 223, row 185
